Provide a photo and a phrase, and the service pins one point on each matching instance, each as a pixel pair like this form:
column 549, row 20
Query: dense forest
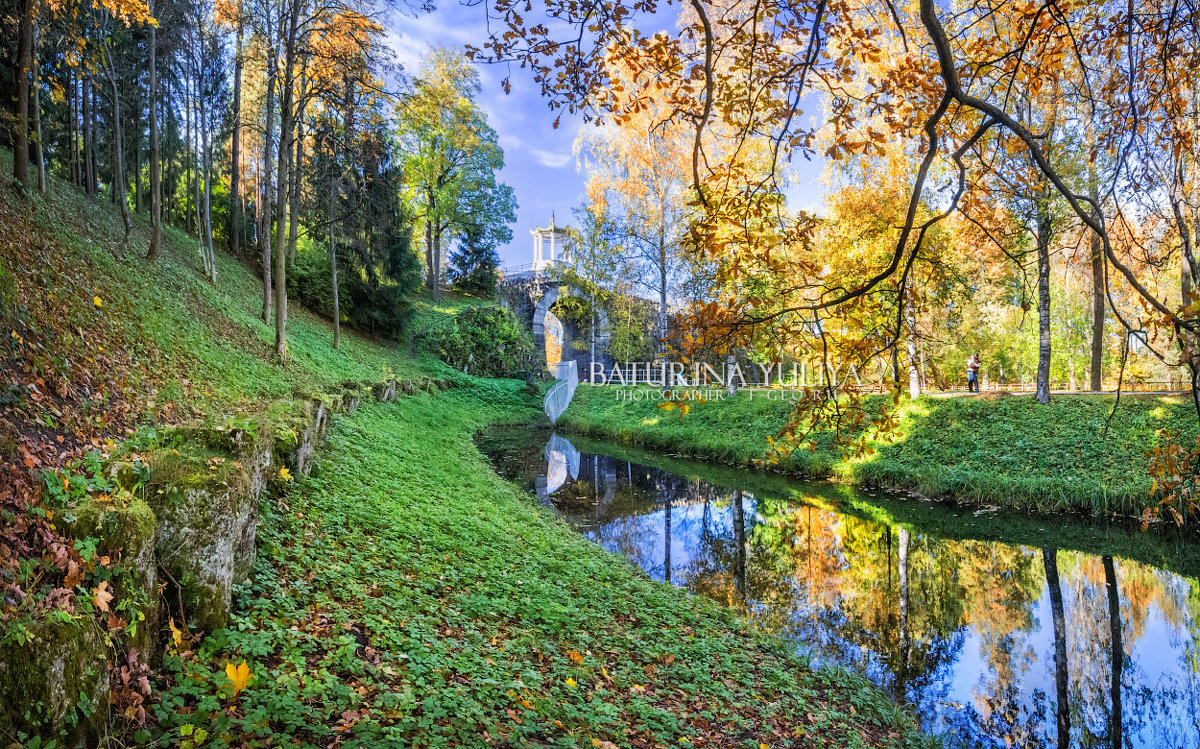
column 283, row 132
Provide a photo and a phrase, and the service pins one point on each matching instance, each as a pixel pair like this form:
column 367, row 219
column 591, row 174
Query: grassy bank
column 1004, row 451
column 404, row 595
column 407, row 596
column 1172, row 551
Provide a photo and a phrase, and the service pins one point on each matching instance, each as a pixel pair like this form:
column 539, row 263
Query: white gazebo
column 549, row 246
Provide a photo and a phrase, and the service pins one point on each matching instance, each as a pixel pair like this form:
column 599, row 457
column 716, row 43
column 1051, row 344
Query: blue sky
column 539, row 163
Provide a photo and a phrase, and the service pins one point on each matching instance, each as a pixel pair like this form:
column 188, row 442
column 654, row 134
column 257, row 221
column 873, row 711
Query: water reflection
column 993, row 644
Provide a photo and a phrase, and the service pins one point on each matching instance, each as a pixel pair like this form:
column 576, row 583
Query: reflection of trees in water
column 1047, row 626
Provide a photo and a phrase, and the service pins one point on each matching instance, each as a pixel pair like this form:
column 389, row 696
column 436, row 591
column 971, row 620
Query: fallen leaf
column 238, row 675
column 101, row 596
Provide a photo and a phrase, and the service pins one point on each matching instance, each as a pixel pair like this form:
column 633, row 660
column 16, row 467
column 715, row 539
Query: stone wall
column 185, row 515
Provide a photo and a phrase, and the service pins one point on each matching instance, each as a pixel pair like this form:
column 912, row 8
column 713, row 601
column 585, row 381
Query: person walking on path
column 973, row 373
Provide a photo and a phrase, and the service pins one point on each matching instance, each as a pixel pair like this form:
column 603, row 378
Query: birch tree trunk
column 914, row 375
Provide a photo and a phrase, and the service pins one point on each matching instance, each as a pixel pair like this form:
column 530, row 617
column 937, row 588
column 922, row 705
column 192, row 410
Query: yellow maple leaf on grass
column 571, row 682
column 97, row 301
column 285, row 474
column 238, row 675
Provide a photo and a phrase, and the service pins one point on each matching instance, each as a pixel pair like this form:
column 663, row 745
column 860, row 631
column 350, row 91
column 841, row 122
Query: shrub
column 381, row 307
column 308, row 281
column 485, row 341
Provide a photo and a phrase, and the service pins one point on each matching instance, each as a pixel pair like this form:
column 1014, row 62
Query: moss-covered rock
column 385, row 392
column 256, row 457
column 207, row 512
column 126, row 527
column 301, row 434
column 197, row 543
column 56, row 686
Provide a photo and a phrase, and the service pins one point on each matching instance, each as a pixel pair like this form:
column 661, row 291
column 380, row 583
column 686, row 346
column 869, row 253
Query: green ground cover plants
column 405, row 595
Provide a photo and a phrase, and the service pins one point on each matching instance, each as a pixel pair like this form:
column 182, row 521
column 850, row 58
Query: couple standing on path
column 973, row 373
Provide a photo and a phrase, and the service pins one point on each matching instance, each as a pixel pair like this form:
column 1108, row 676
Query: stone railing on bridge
column 560, row 394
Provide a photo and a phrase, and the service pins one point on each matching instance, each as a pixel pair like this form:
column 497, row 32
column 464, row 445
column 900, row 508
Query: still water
column 997, row 630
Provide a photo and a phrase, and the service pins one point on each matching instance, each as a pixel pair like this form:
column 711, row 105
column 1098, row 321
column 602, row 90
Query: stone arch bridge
column 531, row 296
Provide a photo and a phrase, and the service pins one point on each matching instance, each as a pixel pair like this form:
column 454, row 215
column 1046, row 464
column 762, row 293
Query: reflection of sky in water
column 977, row 659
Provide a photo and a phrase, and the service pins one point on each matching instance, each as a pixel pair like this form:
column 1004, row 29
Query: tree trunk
column 662, row 286
column 739, row 549
column 94, row 134
column 23, row 70
column 730, row 384
column 914, row 376
column 155, row 158
column 668, row 498
column 1096, row 374
column 286, row 133
column 1062, row 687
column 139, row 197
column 265, row 198
column 429, row 242
column 437, row 262
column 297, row 159
column 206, row 137
column 905, row 640
column 235, row 147
column 86, row 170
column 333, row 273
column 73, row 128
column 37, row 114
column 118, row 174
column 189, row 151
column 1067, row 334
column 1043, row 261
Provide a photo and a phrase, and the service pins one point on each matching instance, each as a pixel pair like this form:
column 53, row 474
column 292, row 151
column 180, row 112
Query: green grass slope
column 1007, row 451
column 405, row 595
column 158, row 333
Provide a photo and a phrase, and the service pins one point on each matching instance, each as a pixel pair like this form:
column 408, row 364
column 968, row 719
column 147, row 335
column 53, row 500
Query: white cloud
column 551, row 159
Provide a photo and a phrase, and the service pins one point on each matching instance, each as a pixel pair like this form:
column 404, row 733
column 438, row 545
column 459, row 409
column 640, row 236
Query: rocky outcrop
column 55, row 686
column 186, row 515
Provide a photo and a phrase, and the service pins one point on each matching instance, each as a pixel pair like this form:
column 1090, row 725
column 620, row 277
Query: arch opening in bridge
column 582, row 358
